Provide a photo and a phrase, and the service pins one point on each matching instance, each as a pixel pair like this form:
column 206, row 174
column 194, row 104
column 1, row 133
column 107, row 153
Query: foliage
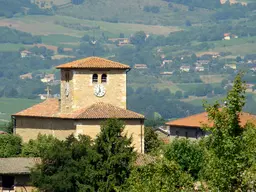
column 9, row 127
column 37, row 147
column 162, row 176
column 82, row 164
column 10, row 145
column 187, row 154
column 68, row 165
column 138, row 38
column 116, row 155
column 11, row 7
column 151, row 141
column 226, row 161
column 8, row 35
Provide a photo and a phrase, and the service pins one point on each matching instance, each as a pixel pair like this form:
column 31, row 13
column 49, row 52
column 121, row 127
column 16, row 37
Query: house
column 253, row 69
column 48, row 78
column 167, row 73
column 232, row 66
column 15, row 174
column 226, row 36
column 140, row 66
column 25, row 53
column 120, row 41
column 185, row 68
column 26, row 76
column 199, row 68
column 166, row 61
column 92, row 90
column 190, row 127
column 202, row 62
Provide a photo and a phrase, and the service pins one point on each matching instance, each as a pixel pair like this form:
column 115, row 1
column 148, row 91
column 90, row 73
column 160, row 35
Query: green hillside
column 133, row 11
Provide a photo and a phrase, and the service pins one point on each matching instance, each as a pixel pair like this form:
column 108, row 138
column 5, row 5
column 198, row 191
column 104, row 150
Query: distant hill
column 153, row 12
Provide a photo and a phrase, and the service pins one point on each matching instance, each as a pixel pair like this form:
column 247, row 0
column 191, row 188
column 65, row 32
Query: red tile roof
column 202, row 118
column 50, row 109
column 93, row 63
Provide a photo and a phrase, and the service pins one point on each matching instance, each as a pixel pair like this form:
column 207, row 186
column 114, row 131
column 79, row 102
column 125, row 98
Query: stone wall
column 132, row 127
column 29, row 127
column 81, row 93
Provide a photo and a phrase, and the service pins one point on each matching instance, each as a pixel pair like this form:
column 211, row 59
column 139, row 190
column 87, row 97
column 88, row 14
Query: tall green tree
column 67, row 166
column 227, row 161
column 116, row 153
column 151, row 140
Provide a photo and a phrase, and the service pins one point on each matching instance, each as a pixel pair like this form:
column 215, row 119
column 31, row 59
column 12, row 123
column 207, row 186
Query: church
column 92, row 90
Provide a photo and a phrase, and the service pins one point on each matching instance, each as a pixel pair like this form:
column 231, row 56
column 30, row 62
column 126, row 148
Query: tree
column 178, row 94
column 226, row 160
column 151, row 140
column 68, row 165
column 138, row 38
column 116, row 155
column 60, row 50
column 10, row 145
column 39, row 146
column 121, row 35
column 9, row 127
column 187, row 154
column 160, row 176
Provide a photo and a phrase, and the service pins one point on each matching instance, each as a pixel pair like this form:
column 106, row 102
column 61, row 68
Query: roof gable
column 93, row 63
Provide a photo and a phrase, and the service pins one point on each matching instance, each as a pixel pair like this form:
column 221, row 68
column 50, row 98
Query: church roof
column 93, row 63
column 50, row 109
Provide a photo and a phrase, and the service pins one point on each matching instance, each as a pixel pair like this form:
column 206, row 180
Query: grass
column 240, row 46
column 10, row 47
column 9, row 106
column 212, row 78
column 59, row 39
column 189, row 86
column 46, row 25
column 132, row 12
column 199, row 101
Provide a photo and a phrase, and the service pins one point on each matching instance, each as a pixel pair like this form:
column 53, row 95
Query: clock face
column 99, row 90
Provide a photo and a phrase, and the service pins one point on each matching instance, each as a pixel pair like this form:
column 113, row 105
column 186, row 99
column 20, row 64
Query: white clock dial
column 99, row 90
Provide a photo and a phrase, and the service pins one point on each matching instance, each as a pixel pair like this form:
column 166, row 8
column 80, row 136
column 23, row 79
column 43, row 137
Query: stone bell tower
column 92, row 80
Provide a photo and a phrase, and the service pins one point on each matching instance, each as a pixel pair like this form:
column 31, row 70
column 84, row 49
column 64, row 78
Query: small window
column 103, row 78
column 67, row 76
column 95, row 78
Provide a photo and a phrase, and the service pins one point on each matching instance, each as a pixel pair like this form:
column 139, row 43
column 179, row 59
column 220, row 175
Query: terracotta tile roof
column 17, row 165
column 93, row 63
column 50, row 109
column 202, row 118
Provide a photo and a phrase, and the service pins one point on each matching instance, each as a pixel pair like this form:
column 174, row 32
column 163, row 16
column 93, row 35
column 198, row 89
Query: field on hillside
column 47, row 25
column 9, row 106
column 240, row 46
column 132, row 11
